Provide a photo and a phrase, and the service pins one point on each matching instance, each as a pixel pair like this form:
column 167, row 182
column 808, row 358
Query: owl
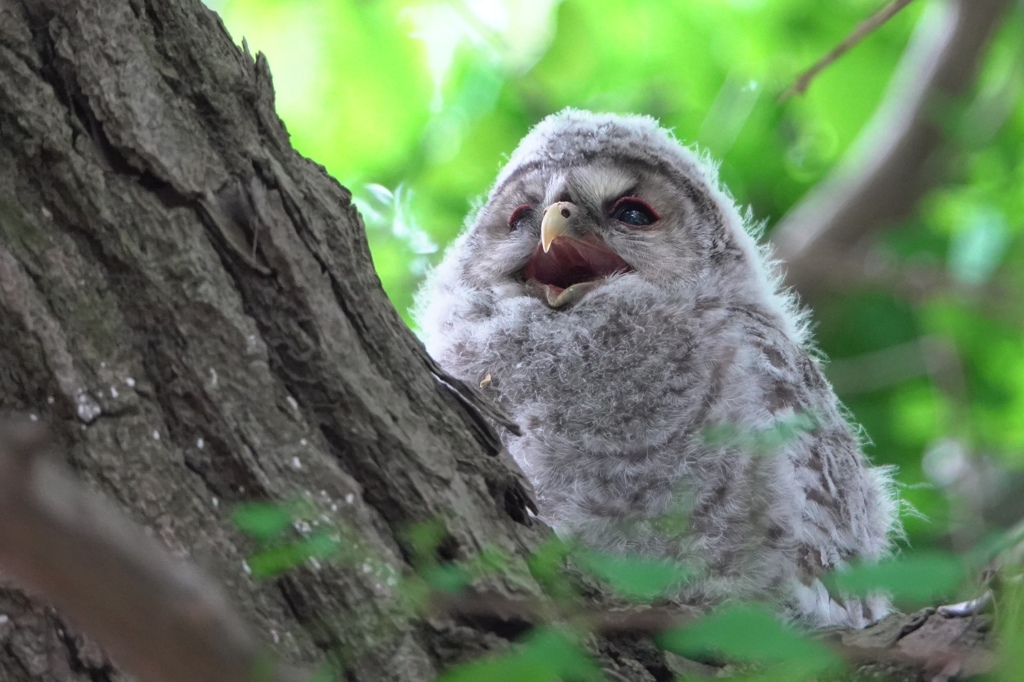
column 613, row 299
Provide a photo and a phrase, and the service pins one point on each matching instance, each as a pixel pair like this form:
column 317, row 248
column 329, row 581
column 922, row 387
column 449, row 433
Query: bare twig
column 897, row 157
column 160, row 618
column 836, row 270
column 523, row 614
column 862, row 30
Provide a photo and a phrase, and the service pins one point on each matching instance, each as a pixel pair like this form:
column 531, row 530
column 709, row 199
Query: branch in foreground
column 501, row 613
column 893, row 163
column 165, row 621
column 159, row 617
column 929, row 644
column 863, row 30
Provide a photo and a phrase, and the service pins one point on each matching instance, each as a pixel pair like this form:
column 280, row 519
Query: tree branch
column 863, row 30
column 926, row 644
column 500, row 612
column 165, row 621
column 899, row 154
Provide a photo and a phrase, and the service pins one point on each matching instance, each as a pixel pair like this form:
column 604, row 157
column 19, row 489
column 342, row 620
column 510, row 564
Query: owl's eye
column 634, row 212
column 518, row 216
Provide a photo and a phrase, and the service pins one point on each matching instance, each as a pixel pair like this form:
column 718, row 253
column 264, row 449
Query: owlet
column 612, row 298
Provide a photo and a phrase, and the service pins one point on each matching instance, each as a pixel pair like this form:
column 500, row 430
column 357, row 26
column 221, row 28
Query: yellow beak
column 556, row 217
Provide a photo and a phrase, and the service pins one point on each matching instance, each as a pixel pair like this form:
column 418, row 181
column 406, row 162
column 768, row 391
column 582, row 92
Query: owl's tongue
column 573, row 261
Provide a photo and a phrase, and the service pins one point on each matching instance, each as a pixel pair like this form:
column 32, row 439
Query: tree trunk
column 192, row 306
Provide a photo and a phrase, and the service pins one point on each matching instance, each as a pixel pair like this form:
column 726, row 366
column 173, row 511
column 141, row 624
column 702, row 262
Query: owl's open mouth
column 571, row 268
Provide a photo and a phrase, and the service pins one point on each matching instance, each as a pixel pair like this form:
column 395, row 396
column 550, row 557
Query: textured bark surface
column 193, row 306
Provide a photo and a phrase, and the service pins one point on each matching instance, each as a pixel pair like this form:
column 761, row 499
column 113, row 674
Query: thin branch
column 836, row 269
column 863, row 30
column 160, row 618
column 925, row 644
column 899, row 155
column 166, row 622
column 507, row 614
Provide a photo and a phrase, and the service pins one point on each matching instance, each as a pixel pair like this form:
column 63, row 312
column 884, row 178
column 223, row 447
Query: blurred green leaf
column 1010, row 628
column 263, row 521
column 634, row 577
column 274, row 561
column 489, row 561
column 760, row 441
column 424, row 538
column 445, row 577
column 918, row 577
column 754, row 635
column 976, row 250
column 547, row 568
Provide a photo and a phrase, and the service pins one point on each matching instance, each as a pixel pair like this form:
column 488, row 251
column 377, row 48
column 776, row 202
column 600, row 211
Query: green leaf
column 263, row 521
column 445, row 577
column 764, row 441
column 750, row 634
column 277, row 560
column 1010, row 626
column 489, row 561
column 424, row 539
column 546, row 566
column 920, row 577
column 977, row 247
column 634, row 577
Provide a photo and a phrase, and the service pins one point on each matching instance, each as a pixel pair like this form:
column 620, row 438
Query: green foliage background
column 413, row 105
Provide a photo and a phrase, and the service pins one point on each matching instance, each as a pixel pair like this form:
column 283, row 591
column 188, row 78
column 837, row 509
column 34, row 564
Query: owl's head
column 589, row 199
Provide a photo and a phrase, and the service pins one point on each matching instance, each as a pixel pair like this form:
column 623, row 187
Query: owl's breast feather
column 613, row 371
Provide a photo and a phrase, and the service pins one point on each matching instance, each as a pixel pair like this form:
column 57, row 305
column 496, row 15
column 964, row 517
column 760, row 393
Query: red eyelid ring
column 518, row 213
column 641, row 202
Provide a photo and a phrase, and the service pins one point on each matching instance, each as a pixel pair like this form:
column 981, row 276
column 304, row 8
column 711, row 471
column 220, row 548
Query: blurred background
column 413, row 105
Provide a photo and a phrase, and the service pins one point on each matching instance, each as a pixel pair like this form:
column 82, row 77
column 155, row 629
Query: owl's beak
column 564, row 266
column 553, row 224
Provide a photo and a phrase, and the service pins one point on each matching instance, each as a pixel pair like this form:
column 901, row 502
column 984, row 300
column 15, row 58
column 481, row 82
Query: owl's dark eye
column 518, row 215
column 634, row 212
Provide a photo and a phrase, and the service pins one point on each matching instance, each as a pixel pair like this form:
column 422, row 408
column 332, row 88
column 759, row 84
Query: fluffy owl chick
column 609, row 297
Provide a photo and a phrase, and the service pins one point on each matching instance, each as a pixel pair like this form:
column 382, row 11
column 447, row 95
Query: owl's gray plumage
column 680, row 385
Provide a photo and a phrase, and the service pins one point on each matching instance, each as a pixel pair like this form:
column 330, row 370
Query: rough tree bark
column 192, row 307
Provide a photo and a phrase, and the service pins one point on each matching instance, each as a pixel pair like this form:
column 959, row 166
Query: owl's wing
column 823, row 504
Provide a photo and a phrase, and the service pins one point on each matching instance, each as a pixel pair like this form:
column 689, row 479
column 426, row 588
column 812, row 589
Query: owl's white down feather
column 675, row 409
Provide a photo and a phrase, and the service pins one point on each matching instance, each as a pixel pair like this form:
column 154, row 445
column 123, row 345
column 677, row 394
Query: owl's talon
column 965, row 609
